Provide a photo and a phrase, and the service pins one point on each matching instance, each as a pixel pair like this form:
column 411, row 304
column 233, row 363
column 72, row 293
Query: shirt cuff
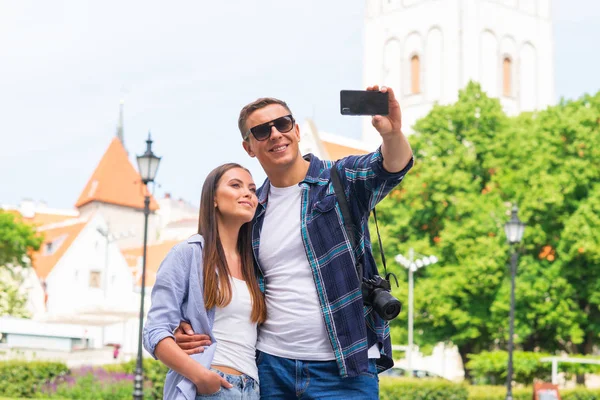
column 152, row 340
column 381, row 172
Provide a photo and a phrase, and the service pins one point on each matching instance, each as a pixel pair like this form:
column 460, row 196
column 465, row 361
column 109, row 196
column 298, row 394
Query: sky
column 184, row 70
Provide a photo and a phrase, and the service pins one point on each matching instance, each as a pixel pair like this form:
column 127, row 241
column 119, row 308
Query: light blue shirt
column 178, row 296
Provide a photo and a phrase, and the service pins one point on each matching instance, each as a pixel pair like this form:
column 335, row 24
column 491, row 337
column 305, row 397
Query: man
column 319, row 340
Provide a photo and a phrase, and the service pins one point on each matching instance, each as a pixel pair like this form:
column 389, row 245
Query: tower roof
column 115, row 181
column 57, row 240
column 155, row 254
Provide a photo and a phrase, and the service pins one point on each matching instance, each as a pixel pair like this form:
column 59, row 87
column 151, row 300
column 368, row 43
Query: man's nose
column 274, row 132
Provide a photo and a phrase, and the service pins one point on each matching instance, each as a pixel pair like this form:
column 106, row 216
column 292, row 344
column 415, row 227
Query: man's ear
column 248, row 148
column 297, row 131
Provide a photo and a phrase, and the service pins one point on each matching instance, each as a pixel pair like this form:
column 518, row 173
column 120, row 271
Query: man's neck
column 289, row 175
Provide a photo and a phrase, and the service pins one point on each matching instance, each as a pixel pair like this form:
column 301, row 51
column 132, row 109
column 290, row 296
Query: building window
column 52, row 246
column 415, row 75
column 95, row 279
column 507, row 77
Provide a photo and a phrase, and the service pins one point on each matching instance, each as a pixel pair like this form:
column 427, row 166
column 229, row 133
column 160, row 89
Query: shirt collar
column 312, row 176
column 197, row 238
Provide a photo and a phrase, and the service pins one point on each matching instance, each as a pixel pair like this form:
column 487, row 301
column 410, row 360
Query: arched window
column 415, row 75
column 507, row 77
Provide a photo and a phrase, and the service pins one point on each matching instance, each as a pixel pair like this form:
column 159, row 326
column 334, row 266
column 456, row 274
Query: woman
column 209, row 280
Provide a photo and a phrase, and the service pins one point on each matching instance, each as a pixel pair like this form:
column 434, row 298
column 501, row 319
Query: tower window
column 507, row 77
column 415, row 75
column 95, row 279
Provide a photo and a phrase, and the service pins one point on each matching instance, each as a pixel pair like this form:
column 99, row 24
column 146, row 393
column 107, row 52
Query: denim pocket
column 372, row 369
column 208, row 396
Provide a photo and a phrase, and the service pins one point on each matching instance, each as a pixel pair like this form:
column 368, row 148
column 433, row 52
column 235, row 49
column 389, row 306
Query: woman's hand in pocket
column 210, row 382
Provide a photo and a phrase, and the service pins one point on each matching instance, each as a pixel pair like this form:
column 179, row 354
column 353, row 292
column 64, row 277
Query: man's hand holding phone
column 381, row 104
column 392, row 122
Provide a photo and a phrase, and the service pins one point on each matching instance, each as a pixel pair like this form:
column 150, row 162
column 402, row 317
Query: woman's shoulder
column 186, row 250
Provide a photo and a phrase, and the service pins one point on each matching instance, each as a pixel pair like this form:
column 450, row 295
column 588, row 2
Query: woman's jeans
column 244, row 388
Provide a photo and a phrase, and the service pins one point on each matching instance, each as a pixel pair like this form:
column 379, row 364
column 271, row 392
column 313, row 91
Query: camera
column 376, row 293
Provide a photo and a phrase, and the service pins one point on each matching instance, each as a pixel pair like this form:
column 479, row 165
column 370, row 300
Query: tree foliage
column 472, row 164
column 17, row 241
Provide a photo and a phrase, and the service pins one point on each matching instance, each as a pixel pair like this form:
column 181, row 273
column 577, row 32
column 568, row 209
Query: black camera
column 376, row 293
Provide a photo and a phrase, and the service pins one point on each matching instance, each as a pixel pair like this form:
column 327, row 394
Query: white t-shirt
column 235, row 332
column 294, row 327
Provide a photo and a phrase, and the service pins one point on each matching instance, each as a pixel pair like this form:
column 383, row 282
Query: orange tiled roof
column 337, row 151
column 62, row 237
column 40, row 219
column 115, row 181
column 155, row 254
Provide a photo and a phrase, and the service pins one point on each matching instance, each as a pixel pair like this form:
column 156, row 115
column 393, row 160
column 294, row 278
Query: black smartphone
column 363, row 102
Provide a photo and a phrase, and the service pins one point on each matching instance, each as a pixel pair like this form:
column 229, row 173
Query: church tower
column 427, row 50
column 120, row 135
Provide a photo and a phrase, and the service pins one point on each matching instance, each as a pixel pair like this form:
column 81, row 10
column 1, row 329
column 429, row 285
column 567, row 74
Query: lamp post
column 412, row 265
column 514, row 229
column 147, row 165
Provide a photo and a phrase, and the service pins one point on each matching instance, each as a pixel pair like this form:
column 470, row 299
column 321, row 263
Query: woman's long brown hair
column 217, row 285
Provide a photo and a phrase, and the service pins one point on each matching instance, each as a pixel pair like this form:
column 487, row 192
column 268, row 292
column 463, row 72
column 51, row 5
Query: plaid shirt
column 352, row 327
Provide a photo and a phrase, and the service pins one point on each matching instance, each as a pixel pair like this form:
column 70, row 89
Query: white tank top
column 235, row 333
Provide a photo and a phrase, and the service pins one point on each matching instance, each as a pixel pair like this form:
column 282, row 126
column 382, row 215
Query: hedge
column 23, row 379
column 484, row 392
column 420, row 389
column 154, row 373
column 489, row 367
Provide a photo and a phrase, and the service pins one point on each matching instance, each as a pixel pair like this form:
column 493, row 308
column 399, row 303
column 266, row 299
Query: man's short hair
column 257, row 105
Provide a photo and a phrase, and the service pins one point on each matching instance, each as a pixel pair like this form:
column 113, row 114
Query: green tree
column 551, row 166
column 447, row 207
column 17, row 241
column 472, row 162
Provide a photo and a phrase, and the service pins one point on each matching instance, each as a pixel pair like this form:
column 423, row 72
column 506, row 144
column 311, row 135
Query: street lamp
column 147, row 165
column 412, row 265
column 514, row 229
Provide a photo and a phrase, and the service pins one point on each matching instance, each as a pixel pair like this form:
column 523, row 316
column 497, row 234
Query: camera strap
column 349, row 225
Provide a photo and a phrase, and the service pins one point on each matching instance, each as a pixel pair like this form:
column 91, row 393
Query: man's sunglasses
column 263, row 131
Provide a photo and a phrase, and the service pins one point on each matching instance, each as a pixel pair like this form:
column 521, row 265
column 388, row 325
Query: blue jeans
column 283, row 378
column 244, row 388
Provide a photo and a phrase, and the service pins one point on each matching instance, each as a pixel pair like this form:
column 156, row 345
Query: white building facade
column 427, row 50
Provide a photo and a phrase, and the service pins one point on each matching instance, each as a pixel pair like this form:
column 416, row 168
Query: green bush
column 420, row 389
column 486, row 392
column 489, row 367
column 154, row 373
column 92, row 383
column 91, row 387
column 580, row 394
column 22, row 379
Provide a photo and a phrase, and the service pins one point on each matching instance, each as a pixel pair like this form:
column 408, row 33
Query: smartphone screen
column 363, row 102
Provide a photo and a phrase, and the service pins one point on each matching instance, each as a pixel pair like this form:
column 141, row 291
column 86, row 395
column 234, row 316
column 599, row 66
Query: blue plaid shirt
column 352, row 327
